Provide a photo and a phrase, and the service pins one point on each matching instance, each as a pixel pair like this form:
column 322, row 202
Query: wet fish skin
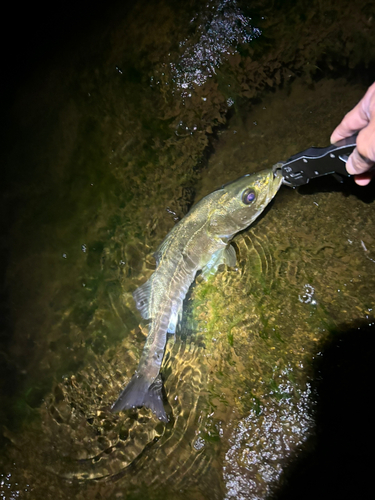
column 200, row 241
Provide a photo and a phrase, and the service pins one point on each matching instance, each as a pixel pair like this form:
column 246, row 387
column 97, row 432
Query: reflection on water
column 262, row 440
column 219, row 29
column 110, row 160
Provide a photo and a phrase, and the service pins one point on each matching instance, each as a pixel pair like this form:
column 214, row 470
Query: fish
column 200, row 241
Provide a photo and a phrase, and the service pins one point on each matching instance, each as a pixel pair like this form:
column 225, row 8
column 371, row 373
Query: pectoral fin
column 226, row 256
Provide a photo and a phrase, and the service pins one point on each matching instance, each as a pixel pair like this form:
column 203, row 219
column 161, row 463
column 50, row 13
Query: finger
column 358, row 164
column 366, row 141
column 363, row 156
column 364, row 179
column 357, row 118
column 353, row 121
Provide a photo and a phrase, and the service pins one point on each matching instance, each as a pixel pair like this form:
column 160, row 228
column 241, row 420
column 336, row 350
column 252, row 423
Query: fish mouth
column 277, row 172
column 277, row 179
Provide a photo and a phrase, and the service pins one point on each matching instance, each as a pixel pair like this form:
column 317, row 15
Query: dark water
column 113, row 131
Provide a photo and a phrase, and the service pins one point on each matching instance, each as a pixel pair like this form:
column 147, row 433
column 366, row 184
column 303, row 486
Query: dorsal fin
column 142, row 299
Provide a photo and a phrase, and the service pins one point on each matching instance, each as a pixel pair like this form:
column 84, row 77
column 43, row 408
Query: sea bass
column 200, row 241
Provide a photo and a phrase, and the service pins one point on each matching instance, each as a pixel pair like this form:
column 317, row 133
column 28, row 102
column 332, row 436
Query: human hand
column 360, row 118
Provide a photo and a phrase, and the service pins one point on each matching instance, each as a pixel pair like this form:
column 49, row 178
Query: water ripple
column 91, row 443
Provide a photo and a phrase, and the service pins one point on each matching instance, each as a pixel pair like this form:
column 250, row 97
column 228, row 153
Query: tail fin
column 138, row 392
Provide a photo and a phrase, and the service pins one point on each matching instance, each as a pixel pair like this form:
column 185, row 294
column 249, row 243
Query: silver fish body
column 200, row 241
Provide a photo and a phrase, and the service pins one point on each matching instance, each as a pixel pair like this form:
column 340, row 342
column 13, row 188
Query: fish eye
column 248, row 196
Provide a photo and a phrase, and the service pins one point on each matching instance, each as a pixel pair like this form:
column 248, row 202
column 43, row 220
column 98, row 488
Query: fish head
column 242, row 201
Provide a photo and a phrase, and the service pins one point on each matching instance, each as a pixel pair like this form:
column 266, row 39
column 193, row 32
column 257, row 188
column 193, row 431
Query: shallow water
column 108, row 147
